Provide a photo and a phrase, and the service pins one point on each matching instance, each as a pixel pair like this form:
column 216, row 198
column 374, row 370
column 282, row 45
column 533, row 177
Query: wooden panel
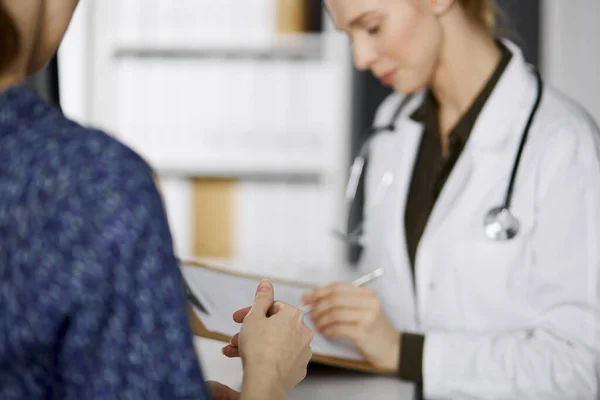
column 214, row 219
column 292, row 16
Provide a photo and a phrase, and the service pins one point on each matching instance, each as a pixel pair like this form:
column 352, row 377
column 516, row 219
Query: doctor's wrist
column 383, row 350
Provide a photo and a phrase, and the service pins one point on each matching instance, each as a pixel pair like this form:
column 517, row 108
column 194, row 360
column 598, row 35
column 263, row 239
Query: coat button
column 431, row 286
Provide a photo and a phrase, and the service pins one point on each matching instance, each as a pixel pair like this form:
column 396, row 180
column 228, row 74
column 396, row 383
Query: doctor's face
column 399, row 41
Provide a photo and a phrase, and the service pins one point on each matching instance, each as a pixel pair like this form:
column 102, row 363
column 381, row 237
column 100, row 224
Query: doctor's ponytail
column 9, row 39
column 482, row 13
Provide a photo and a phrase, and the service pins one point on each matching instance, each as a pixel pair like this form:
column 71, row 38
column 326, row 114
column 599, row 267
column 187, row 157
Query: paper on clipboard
column 222, row 292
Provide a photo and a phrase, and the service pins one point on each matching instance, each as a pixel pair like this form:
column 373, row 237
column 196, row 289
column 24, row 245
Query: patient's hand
column 273, row 343
column 222, row 392
column 232, row 350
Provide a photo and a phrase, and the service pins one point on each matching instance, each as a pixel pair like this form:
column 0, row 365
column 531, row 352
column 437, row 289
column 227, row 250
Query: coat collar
column 497, row 122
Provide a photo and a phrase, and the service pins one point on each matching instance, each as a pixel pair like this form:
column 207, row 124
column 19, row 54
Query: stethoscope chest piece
column 500, row 224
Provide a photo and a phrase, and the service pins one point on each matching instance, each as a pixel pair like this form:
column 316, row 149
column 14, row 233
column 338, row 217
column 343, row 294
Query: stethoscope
column 499, row 222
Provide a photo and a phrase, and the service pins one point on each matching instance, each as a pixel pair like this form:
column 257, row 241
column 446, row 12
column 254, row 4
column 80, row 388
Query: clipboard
column 199, row 329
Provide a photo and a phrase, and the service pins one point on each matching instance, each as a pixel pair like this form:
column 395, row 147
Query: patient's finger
column 239, row 315
column 230, row 351
column 235, row 340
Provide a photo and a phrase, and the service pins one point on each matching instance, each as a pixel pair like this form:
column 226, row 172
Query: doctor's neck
column 467, row 60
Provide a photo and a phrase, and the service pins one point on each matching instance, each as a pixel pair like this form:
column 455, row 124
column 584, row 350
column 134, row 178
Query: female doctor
column 476, row 301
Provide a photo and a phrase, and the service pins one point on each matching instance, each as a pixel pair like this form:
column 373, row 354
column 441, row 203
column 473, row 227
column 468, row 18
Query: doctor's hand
column 273, row 342
column 344, row 311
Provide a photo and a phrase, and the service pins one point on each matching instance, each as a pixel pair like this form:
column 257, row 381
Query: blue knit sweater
column 91, row 299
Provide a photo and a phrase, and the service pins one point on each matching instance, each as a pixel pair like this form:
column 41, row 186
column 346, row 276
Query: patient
column 91, row 298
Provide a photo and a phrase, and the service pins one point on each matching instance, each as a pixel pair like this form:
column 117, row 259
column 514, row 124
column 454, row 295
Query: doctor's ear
column 440, row 7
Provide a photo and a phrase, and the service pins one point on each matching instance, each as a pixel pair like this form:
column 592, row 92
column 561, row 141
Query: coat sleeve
column 557, row 357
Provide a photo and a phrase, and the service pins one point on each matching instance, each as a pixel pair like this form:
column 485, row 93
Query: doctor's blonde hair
column 482, row 13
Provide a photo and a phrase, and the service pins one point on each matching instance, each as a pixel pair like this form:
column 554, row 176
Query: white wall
column 571, row 50
column 280, row 225
column 74, row 57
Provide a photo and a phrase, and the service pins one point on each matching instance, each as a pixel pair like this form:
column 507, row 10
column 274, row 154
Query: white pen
column 363, row 280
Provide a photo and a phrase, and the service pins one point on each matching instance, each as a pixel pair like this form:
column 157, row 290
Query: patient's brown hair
column 9, row 39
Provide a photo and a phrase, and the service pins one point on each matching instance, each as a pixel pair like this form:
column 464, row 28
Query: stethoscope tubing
column 517, row 162
column 361, row 159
